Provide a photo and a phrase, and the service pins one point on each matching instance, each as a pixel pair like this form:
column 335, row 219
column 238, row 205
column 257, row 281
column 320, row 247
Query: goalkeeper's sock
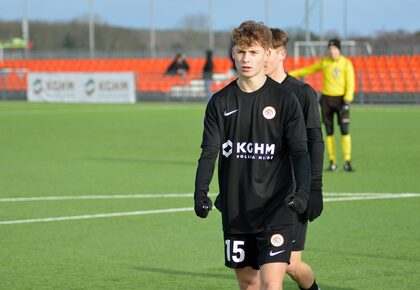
column 330, row 140
column 313, row 287
column 346, row 146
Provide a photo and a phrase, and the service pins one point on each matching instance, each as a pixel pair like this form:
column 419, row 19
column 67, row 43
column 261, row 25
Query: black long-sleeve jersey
column 309, row 102
column 254, row 134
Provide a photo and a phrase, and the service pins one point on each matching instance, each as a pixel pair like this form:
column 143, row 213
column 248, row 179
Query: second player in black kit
column 308, row 101
column 298, row 270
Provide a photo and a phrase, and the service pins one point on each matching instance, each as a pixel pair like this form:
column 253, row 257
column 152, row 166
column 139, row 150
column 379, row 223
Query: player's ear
column 283, row 52
column 232, row 53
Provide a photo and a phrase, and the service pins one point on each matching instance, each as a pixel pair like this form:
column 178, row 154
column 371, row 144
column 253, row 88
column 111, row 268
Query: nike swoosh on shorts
column 275, row 253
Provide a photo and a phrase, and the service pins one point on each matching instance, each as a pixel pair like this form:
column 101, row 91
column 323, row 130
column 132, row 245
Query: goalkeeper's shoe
column 332, row 166
column 348, row 167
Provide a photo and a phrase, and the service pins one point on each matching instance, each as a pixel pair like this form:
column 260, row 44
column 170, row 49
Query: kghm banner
column 82, row 87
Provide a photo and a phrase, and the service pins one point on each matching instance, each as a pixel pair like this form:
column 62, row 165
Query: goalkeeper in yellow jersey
column 337, row 94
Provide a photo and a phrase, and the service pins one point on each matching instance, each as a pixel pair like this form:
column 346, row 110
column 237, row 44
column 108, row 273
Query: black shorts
column 331, row 105
column 255, row 250
column 299, row 233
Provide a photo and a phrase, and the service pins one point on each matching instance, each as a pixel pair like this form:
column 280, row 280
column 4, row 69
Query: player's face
column 275, row 60
column 334, row 52
column 250, row 61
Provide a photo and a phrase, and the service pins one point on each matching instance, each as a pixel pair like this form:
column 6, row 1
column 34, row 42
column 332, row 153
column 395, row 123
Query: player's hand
column 202, row 206
column 315, row 205
column 297, row 202
column 217, row 203
column 345, row 108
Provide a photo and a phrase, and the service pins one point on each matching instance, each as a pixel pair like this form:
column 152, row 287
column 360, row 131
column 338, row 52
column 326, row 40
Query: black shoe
column 332, row 167
column 347, row 167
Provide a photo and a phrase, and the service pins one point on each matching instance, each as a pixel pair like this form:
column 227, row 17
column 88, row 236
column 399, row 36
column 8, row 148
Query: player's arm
column 309, row 102
column 297, row 143
column 304, row 71
column 204, row 174
column 350, row 82
column 302, row 172
column 316, row 156
column 205, row 169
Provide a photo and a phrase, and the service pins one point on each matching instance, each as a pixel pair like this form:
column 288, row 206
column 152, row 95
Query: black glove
column 217, row 203
column 345, row 108
column 315, row 205
column 298, row 202
column 202, row 205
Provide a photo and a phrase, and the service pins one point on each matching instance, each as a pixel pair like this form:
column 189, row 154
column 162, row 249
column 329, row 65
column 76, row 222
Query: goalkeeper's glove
column 315, row 205
column 345, row 108
column 202, row 204
column 297, row 201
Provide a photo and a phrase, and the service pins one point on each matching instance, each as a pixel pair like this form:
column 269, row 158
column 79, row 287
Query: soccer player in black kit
column 298, row 270
column 258, row 130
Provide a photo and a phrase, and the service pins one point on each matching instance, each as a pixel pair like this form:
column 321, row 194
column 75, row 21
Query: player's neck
column 252, row 84
column 279, row 74
column 336, row 58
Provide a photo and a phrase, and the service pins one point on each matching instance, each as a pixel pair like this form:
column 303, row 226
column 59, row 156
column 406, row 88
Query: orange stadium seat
column 221, row 64
column 394, row 73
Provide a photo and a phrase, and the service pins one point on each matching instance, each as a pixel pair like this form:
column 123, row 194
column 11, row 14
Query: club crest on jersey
column 269, row 112
column 277, row 240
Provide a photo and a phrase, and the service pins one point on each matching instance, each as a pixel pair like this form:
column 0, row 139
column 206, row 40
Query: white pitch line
column 127, row 196
column 93, row 216
column 358, row 193
column 377, row 196
column 166, row 195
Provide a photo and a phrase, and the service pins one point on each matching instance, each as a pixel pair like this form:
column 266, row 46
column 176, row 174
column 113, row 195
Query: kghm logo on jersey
column 269, row 113
column 227, row 148
column 249, row 150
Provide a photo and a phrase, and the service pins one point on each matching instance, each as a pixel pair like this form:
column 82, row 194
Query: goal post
column 319, row 48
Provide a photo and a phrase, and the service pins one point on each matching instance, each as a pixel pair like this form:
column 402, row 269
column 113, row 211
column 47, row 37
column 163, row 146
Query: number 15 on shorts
column 235, row 251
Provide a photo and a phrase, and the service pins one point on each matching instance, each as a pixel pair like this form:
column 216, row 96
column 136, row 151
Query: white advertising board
column 82, row 87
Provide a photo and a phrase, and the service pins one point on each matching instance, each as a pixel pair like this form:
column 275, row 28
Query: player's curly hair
column 279, row 38
column 250, row 33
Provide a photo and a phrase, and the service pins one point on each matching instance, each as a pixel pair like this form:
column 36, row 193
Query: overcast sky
column 364, row 17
